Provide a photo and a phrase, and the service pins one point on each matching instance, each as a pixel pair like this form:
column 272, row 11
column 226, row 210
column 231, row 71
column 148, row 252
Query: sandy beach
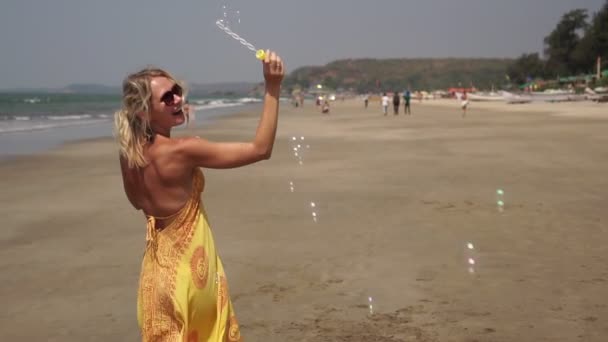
column 399, row 201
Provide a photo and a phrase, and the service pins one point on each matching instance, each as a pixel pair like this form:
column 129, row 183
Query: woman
column 183, row 293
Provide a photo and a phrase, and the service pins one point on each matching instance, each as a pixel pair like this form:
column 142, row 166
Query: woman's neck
column 165, row 132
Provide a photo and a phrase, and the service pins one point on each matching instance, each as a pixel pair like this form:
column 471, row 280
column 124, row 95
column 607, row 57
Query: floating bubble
column 500, row 201
column 229, row 22
column 221, row 24
column 300, row 148
column 471, row 258
column 312, row 204
column 230, row 15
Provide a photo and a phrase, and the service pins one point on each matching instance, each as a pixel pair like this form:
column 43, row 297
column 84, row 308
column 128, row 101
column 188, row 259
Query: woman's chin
column 179, row 120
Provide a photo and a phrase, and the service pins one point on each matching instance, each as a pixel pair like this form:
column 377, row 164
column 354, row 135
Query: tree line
column 397, row 74
column 571, row 49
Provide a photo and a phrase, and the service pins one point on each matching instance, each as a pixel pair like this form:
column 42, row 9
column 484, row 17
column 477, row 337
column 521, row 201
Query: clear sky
column 52, row 43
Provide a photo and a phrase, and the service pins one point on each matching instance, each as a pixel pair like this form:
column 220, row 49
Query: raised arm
column 203, row 153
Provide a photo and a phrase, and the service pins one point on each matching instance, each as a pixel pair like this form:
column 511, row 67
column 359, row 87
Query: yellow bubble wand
column 259, row 54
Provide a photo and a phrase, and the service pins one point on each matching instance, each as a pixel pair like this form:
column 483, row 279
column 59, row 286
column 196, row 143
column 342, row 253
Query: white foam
column 26, row 126
column 69, row 117
column 223, row 103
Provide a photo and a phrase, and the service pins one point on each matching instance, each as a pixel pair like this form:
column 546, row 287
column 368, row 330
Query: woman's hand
column 273, row 69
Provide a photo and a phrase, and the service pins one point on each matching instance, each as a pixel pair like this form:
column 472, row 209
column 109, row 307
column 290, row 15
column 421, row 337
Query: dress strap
column 166, row 217
column 151, row 232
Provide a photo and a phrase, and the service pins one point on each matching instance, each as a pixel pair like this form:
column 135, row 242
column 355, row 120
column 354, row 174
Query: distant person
column 366, row 100
column 385, row 103
column 464, row 102
column 396, row 102
column 407, row 96
column 325, row 107
column 189, row 111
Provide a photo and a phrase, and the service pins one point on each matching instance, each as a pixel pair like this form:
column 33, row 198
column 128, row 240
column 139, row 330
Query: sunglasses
column 168, row 97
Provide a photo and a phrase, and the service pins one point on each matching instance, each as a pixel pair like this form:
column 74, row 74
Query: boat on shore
column 486, row 97
column 544, row 97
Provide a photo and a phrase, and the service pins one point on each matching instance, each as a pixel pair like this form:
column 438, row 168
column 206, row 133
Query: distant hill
column 90, row 89
column 361, row 75
column 365, row 75
column 237, row 89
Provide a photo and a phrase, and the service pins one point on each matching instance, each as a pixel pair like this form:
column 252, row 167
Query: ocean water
column 35, row 122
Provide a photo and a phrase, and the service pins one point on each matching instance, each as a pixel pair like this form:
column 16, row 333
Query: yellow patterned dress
column 183, row 292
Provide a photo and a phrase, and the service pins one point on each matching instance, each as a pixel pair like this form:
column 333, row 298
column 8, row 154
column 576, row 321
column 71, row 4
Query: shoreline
column 16, row 145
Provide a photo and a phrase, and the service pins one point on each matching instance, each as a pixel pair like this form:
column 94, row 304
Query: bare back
column 162, row 187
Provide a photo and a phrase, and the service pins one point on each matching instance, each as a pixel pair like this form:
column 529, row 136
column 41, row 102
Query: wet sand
column 397, row 198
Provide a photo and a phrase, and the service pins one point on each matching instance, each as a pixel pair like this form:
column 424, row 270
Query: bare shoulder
column 184, row 141
column 179, row 148
column 187, row 147
column 167, row 159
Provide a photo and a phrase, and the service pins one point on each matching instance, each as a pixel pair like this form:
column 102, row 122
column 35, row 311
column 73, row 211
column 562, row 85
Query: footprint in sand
column 278, row 292
column 322, row 285
column 331, row 325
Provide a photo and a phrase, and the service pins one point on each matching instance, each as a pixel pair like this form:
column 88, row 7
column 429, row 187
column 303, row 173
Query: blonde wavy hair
column 133, row 131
